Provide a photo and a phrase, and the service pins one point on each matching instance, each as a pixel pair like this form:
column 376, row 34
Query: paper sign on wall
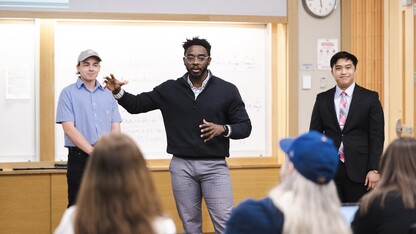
column 326, row 49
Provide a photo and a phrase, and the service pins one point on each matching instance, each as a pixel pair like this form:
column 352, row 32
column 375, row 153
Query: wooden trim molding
column 46, row 91
column 140, row 16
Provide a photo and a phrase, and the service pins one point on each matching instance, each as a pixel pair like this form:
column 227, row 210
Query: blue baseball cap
column 313, row 155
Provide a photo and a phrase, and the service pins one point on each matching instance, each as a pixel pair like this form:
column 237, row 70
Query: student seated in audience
column 305, row 201
column 117, row 194
column 391, row 206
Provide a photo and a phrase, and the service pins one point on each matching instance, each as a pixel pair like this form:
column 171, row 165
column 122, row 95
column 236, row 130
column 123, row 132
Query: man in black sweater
column 201, row 112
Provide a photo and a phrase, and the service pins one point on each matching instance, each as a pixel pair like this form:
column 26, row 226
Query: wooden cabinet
column 33, row 201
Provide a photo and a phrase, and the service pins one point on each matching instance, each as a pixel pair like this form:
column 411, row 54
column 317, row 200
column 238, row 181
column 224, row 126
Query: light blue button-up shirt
column 92, row 112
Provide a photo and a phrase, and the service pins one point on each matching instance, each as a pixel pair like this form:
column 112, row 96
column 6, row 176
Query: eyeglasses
column 191, row 59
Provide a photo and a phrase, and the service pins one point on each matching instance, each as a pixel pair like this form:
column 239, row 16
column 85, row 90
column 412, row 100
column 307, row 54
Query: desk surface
column 153, row 165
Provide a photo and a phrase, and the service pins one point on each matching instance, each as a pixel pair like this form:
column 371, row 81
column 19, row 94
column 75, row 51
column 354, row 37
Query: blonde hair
column 397, row 174
column 308, row 208
column 117, row 194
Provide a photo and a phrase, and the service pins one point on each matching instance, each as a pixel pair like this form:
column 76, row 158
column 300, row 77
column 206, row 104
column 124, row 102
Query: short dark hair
column 343, row 55
column 196, row 41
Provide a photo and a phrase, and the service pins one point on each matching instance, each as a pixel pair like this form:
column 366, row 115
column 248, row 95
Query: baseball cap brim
column 286, row 144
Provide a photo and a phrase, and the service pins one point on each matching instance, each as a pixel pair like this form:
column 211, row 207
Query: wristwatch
column 375, row 171
column 226, row 130
column 119, row 94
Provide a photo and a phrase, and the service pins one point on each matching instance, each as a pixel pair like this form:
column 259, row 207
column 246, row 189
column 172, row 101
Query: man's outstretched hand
column 112, row 84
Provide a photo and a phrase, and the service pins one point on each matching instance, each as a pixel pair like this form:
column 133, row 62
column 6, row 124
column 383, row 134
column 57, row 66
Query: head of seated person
column 307, row 194
column 117, row 194
column 305, row 200
column 395, row 193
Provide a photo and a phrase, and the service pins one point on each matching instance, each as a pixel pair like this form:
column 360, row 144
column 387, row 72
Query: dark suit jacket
column 363, row 133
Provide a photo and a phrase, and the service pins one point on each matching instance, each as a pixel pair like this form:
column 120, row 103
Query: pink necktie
column 342, row 118
column 342, row 110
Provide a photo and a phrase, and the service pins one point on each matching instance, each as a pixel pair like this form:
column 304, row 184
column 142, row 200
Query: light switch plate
column 306, row 82
column 322, row 82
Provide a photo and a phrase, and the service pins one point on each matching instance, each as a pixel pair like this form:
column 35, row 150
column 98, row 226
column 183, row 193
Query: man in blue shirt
column 86, row 111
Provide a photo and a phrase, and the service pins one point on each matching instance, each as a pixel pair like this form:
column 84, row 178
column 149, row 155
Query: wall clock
column 319, row 8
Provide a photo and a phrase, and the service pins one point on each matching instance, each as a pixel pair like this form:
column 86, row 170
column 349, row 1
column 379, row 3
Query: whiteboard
column 147, row 54
column 18, row 81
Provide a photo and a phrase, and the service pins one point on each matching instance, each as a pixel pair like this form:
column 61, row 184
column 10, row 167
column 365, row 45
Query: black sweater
column 393, row 218
column 220, row 102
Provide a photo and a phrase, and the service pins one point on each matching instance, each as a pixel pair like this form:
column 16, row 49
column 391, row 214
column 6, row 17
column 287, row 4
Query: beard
column 197, row 76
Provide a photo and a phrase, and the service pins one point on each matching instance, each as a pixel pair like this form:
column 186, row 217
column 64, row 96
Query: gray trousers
column 194, row 179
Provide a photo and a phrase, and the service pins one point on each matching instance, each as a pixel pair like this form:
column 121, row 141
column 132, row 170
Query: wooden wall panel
column 36, row 200
column 363, row 35
column 59, row 198
column 414, row 67
column 25, row 204
column 380, row 33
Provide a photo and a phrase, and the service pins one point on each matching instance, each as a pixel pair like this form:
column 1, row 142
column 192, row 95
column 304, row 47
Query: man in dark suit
column 353, row 117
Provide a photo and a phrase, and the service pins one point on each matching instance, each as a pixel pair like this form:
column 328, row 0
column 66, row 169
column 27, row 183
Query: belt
column 76, row 149
column 199, row 158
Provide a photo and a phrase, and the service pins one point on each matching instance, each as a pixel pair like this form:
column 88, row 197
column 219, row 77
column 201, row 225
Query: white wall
column 310, row 30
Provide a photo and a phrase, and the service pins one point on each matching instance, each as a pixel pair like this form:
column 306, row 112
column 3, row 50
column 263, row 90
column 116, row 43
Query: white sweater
column 162, row 225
